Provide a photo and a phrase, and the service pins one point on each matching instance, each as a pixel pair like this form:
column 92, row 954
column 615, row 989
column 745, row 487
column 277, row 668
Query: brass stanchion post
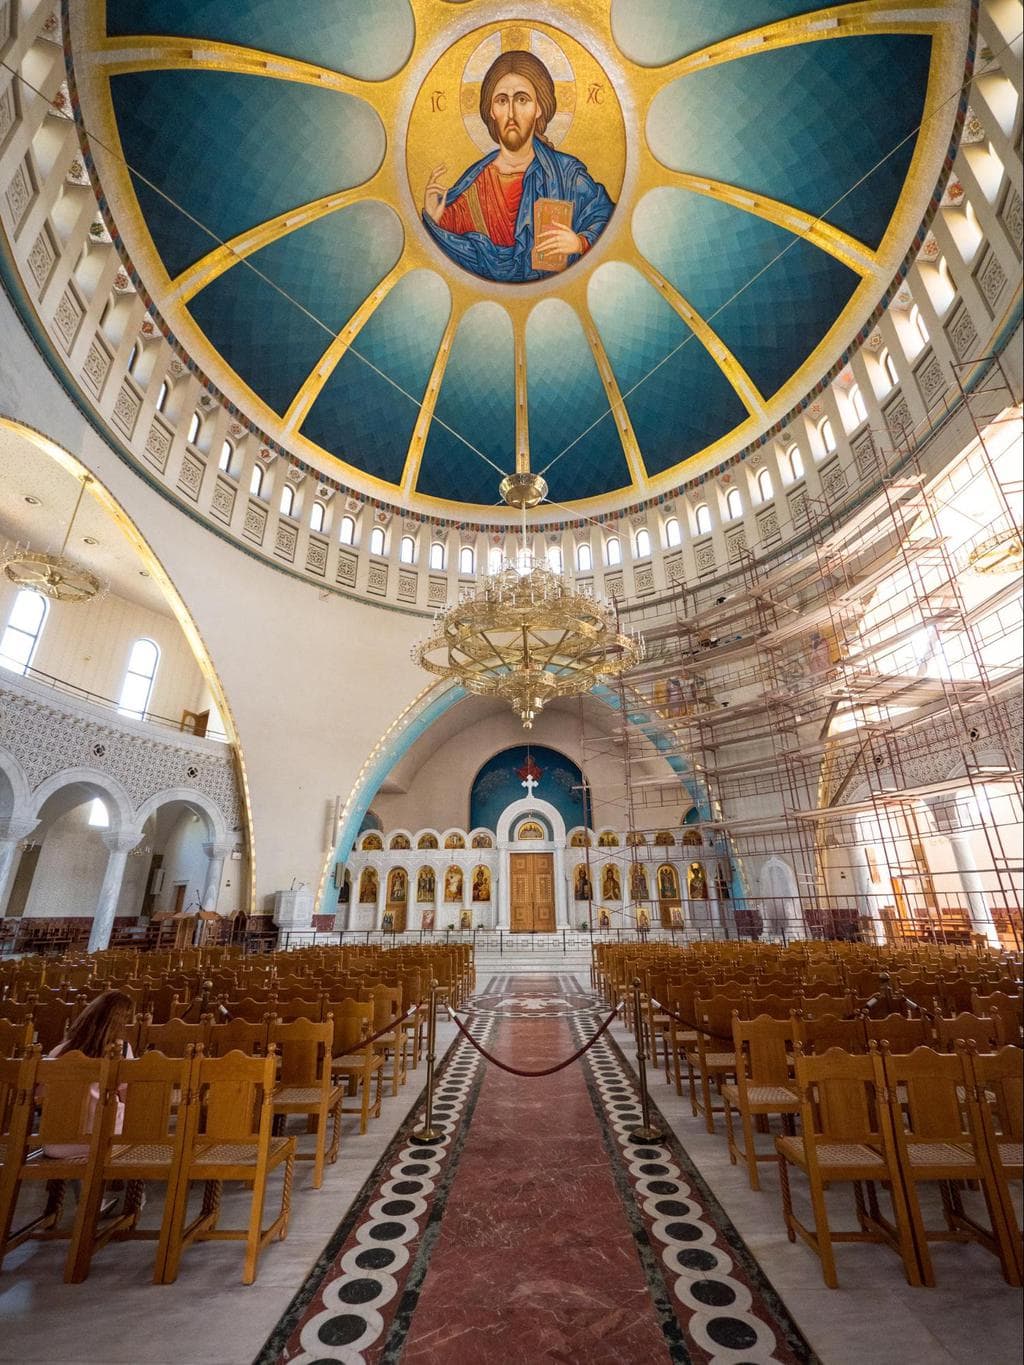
column 428, row 1133
column 646, row 1132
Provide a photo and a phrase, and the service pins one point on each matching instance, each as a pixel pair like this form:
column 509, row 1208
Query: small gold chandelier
column 56, row 576
column 525, row 635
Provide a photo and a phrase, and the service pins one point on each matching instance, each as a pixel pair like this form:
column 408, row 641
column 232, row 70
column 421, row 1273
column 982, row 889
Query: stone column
column 950, row 822
column 12, row 831
column 119, row 843
column 216, row 852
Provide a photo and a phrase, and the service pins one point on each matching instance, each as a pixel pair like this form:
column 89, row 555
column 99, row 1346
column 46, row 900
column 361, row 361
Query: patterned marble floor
column 534, row 1228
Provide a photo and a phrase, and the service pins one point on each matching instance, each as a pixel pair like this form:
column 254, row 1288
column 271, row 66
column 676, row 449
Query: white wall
column 69, row 873
column 88, row 644
column 312, row 680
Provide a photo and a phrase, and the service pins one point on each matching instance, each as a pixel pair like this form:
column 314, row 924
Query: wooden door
column 532, row 885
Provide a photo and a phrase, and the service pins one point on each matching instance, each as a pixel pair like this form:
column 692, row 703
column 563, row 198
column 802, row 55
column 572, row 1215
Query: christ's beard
column 512, row 136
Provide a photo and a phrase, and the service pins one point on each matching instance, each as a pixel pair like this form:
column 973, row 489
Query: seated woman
column 102, row 1022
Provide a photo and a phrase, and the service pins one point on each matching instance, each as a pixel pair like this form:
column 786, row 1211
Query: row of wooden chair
column 900, row 1121
column 154, row 1119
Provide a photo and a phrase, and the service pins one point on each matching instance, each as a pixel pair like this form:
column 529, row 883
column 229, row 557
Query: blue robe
column 550, row 175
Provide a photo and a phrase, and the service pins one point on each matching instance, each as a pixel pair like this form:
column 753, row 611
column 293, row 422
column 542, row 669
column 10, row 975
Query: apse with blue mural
column 500, row 782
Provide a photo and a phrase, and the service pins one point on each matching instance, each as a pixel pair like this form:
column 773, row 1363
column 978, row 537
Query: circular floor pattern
column 713, row 1302
column 368, row 1277
column 501, row 1006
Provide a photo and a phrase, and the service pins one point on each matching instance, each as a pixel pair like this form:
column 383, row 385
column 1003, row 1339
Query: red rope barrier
column 548, row 1070
column 388, row 1028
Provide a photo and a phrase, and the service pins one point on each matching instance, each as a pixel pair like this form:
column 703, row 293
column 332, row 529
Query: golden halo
column 517, row 38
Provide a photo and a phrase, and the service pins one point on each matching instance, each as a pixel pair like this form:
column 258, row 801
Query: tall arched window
column 138, row 679
column 494, row 558
column 161, row 397
column 24, row 626
column 437, row 556
column 613, row 551
column 642, row 543
column 888, row 365
column 860, row 410
column 407, row 550
column 584, row 557
column 226, row 452
column 256, row 481
column 796, row 463
column 555, row 563
column 919, row 325
column 467, row 560
column 673, row 533
column 195, row 422
column 99, row 816
column 827, row 434
column 347, row 530
column 764, row 485
column 733, row 504
column 317, row 516
column 287, row 500
column 377, row 540
column 703, row 516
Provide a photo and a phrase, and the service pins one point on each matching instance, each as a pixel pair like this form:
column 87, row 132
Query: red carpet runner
column 534, row 1230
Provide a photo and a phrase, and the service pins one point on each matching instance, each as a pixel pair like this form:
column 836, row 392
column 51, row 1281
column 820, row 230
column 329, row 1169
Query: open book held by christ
column 548, row 213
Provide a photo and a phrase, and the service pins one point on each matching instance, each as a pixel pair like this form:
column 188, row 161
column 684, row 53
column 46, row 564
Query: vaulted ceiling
column 263, row 167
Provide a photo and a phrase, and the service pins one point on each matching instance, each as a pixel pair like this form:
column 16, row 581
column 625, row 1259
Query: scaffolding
column 843, row 719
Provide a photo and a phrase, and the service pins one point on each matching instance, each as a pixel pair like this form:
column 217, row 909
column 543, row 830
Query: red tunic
column 490, row 205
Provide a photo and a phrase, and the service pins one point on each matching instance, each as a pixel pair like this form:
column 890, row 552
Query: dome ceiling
column 739, row 182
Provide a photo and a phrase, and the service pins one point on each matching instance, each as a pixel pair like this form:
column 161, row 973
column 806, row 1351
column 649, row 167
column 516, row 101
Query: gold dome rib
column 852, row 252
column 749, row 394
column 835, row 21
column 152, row 52
column 522, row 395
column 211, row 266
column 309, row 391
column 575, row 294
column 418, row 443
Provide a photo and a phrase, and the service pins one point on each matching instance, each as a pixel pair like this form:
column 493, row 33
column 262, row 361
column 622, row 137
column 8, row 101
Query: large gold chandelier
column 525, row 634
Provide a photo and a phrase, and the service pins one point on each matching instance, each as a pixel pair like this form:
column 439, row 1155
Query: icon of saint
column 486, row 221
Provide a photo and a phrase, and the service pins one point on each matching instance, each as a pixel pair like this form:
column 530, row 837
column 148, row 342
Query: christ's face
column 514, row 111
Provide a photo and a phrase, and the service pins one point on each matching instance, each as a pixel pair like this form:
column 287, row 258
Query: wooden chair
column 237, row 1035
column 17, row 1106
column 967, row 1028
column 846, row 1136
column 902, row 1034
column 228, row 1135
column 51, row 1021
column 14, row 1038
column 304, row 1085
column 679, row 1007
column 150, row 1096
column 813, row 1005
column 763, row 1085
column 68, row 1091
column 818, row 1035
column 286, row 1009
column 174, row 1038
column 710, row 1058
column 360, row 1066
column 413, row 992
column 936, row 1143
column 387, row 1007
column 998, row 1093
column 1007, row 1009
